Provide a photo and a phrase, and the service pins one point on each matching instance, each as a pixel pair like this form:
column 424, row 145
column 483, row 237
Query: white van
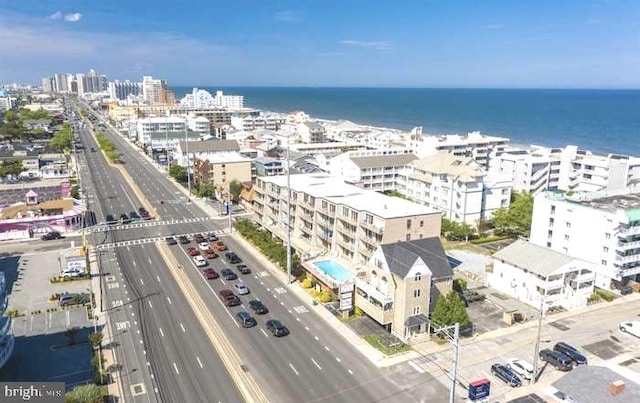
column 632, row 327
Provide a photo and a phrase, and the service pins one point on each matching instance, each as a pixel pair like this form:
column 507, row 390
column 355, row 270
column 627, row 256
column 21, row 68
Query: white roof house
column 537, row 275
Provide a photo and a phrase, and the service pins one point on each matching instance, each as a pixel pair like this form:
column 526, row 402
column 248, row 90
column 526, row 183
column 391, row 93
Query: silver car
column 241, row 288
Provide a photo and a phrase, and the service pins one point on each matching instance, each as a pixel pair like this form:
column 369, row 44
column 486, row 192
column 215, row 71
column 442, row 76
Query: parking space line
column 294, row 370
column 265, row 333
column 317, row 365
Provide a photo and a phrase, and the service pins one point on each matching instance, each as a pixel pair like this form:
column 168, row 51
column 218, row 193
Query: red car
column 210, row 254
column 210, row 274
column 199, row 238
column 193, row 251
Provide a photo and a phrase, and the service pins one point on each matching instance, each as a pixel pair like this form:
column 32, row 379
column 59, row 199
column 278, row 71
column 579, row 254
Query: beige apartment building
column 329, row 216
column 221, row 169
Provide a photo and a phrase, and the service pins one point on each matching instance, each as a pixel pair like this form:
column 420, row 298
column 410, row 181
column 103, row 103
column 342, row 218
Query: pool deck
column 324, row 277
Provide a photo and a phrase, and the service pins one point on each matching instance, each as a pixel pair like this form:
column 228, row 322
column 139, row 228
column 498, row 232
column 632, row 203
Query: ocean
column 601, row 121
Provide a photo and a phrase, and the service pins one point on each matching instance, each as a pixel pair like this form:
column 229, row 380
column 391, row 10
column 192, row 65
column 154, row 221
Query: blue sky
column 443, row 43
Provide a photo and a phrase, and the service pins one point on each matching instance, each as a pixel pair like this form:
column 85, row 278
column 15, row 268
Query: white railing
column 372, row 292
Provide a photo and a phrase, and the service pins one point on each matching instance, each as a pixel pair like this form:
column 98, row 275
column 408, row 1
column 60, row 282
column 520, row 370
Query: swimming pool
column 334, row 269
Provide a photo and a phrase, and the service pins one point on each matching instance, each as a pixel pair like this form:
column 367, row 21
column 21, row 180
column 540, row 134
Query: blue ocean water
column 602, row 121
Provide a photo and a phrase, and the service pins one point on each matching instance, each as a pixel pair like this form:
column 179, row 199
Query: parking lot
column 45, row 349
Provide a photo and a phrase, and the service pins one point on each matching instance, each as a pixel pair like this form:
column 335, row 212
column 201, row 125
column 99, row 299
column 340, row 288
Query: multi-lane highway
column 313, row 363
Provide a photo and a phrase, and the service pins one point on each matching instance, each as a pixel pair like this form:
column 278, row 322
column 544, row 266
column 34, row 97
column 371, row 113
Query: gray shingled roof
column 383, row 160
column 534, row 258
column 211, row 145
column 401, row 256
column 590, row 384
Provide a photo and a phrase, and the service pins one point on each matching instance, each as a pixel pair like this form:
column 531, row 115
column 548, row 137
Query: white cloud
column 56, row 16
column 287, row 16
column 492, row 26
column 73, row 17
column 379, row 45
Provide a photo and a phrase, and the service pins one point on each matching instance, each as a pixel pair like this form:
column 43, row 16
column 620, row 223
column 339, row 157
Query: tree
column 12, row 167
column 205, row 190
column 516, row 220
column 84, row 394
column 449, row 309
column 95, row 338
column 453, row 230
column 178, row 173
column 235, row 187
column 63, row 139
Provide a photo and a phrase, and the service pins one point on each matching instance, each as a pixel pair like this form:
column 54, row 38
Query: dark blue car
column 506, row 374
column 571, row 352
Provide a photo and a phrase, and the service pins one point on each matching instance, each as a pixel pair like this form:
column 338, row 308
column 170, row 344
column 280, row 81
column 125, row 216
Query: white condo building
column 121, row 90
column 146, row 126
column 457, row 186
column 203, row 99
column 475, row 145
column 267, row 121
column 596, row 227
column 7, row 341
column 537, row 169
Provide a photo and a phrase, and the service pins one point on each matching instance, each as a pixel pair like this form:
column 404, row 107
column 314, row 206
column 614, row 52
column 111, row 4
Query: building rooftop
column 267, row 160
column 336, row 191
column 401, row 256
column 534, row 258
column 225, row 157
column 210, row 145
column 464, row 139
column 462, row 168
column 383, row 160
column 162, row 119
column 174, row 135
column 608, row 201
column 590, row 384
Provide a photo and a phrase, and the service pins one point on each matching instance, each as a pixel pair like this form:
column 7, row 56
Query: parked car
column 199, row 261
column 626, row 290
column 245, row 319
column 210, row 254
column 193, row 251
column 134, row 216
column 210, row 274
column 243, row 269
column 51, row 236
column 473, row 296
column 556, row 359
column 228, row 274
column 229, row 298
column 277, row 328
column 632, row 327
column 169, row 240
column 232, row 258
column 183, row 239
column 571, row 352
column 144, row 214
column 124, row 218
column 199, row 238
column 241, row 288
column 73, row 299
column 258, row 307
column 211, row 237
column 503, row 372
column 203, row 245
column 109, row 219
column 521, row 367
column 219, row 246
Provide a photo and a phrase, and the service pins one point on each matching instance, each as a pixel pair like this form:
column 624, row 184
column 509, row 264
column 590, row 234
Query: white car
column 521, row 367
column 632, row 327
column 199, row 261
column 203, row 245
column 241, row 288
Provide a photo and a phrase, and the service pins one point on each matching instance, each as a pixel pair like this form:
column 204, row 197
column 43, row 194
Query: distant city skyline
column 436, row 44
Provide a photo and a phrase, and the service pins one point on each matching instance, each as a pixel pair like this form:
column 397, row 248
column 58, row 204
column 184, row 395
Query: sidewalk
column 114, row 387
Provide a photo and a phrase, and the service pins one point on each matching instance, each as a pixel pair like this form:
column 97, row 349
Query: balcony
column 377, row 229
column 307, row 203
column 368, row 240
column 629, row 230
column 324, row 235
column 351, row 245
column 627, row 259
column 306, row 229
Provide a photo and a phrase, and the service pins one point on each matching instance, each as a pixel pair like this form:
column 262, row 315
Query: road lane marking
column 294, row 370
column 317, row 365
column 326, row 348
column 169, row 299
column 158, row 277
column 416, row 367
column 338, row 359
column 161, row 332
column 176, row 368
column 68, row 319
column 306, row 328
column 265, row 333
column 150, row 304
column 282, row 303
column 298, row 319
column 134, row 262
column 183, row 329
column 141, row 281
column 317, row 338
column 350, row 371
column 149, row 259
column 199, row 362
column 290, row 311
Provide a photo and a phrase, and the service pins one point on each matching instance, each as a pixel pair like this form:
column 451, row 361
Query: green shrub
column 315, row 293
column 307, row 283
column 488, row 239
column 326, row 296
column 605, row 295
column 358, row 312
column 95, row 339
column 459, row 284
column 84, row 394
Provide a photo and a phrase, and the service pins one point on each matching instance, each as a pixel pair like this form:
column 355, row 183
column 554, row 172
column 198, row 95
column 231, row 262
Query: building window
column 566, row 237
column 605, row 249
column 408, row 237
column 417, row 292
column 548, row 244
column 568, row 224
column 415, row 310
column 409, row 224
column 551, row 221
column 421, row 223
column 603, row 262
column 553, row 209
column 607, row 235
column 565, row 251
column 418, row 277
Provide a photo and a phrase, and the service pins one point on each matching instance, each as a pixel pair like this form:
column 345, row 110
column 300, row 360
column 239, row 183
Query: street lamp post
column 186, row 141
column 534, row 378
column 288, row 223
column 166, row 141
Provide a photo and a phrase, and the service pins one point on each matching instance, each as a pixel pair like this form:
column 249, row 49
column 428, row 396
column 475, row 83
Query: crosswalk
column 144, row 224
column 144, row 241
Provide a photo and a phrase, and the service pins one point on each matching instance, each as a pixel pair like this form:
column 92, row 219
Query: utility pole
column 229, row 205
column 288, row 223
column 534, row 379
column 186, row 141
column 454, row 339
column 166, row 140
